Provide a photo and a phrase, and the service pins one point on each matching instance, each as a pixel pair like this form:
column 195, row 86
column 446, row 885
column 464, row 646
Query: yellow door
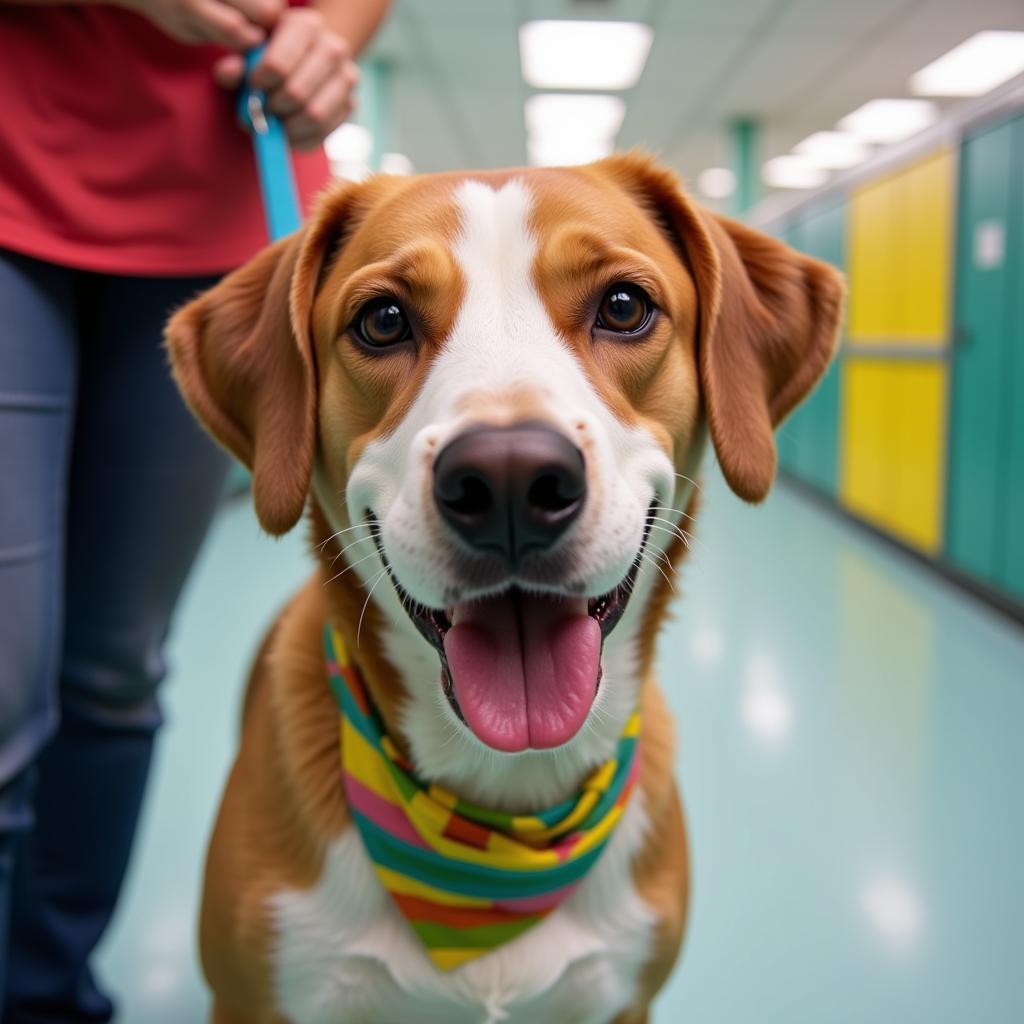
column 868, row 259
column 864, row 464
column 893, row 432
column 899, row 250
column 893, row 446
column 922, row 250
column 919, row 457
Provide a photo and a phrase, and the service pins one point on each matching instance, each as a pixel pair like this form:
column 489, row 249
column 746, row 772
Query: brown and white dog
column 492, row 391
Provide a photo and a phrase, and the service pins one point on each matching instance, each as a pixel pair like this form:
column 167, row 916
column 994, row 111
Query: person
column 126, row 186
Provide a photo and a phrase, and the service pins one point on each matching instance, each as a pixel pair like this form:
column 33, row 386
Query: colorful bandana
column 465, row 878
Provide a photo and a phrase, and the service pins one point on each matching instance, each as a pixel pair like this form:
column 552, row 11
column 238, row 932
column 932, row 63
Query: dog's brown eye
column 624, row 309
column 381, row 323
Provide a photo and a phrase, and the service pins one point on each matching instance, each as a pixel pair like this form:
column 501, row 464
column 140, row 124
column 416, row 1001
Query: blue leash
column 273, row 156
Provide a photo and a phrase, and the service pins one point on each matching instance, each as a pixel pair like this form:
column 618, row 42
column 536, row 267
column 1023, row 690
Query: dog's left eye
column 625, row 309
column 381, row 323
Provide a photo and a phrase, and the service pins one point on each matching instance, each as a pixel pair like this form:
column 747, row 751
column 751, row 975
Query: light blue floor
column 851, row 754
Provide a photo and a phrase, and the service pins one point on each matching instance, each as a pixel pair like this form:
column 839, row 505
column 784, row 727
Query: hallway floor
column 850, row 752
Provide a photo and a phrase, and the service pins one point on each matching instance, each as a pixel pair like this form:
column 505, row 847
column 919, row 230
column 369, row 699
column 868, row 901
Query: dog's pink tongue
column 524, row 668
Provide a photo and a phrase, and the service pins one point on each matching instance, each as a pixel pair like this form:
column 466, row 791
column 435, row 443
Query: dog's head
column 497, row 387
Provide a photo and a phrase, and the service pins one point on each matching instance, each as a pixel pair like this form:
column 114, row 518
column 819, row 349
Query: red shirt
column 119, row 152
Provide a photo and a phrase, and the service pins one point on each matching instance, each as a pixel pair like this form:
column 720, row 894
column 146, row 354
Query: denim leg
column 145, row 482
column 38, row 353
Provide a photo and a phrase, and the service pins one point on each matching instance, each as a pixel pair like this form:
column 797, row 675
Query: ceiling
column 457, row 94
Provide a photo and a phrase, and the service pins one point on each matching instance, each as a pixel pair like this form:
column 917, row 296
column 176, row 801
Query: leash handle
column 273, row 156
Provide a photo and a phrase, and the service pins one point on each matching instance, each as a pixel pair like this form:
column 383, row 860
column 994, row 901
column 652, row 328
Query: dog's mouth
column 521, row 669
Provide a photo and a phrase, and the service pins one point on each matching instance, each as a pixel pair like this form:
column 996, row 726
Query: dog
column 492, row 392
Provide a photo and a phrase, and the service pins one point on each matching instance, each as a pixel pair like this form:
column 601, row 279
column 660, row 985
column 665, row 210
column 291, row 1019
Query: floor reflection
column 850, row 758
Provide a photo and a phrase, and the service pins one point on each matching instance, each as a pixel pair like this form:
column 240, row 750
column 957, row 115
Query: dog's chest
column 344, row 955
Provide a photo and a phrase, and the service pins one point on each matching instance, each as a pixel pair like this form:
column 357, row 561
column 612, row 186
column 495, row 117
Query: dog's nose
column 510, row 490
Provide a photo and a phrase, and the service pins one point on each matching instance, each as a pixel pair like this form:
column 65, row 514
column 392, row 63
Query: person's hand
column 307, row 73
column 236, row 24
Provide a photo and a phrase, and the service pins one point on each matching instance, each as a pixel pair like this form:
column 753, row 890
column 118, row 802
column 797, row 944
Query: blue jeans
column 106, row 489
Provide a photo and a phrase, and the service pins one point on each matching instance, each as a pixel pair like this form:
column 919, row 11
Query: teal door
column 789, row 437
column 809, row 439
column 1012, row 562
column 987, row 339
column 825, row 241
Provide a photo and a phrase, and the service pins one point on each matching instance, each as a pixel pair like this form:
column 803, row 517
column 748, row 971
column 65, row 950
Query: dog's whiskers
column 677, row 530
column 358, row 561
column 689, row 480
column 663, row 556
column 366, row 603
column 650, row 561
column 666, row 508
column 347, row 529
column 683, row 536
column 350, row 544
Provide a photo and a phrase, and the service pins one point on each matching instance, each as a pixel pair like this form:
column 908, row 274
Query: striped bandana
column 465, row 878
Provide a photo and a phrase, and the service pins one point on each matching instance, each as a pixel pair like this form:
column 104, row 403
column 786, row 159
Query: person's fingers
column 289, row 43
column 351, row 74
column 259, row 12
column 229, row 70
column 322, row 63
column 227, row 26
column 324, row 112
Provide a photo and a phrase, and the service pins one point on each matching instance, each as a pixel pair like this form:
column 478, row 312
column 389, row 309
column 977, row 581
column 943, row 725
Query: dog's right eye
column 382, row 323
column 625, row 309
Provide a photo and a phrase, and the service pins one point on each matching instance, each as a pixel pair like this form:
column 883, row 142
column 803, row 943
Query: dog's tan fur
column 751, row 326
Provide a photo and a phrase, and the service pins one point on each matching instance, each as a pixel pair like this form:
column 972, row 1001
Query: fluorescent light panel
column 350, row 170
column 564, row 128
column 889, row 120
column 793, row 172
column 396, row 163
column 545, row 152
column 833, row 151
column 351, row 143
column 560, row 115
column 583, row 54
column 716, row 182
column 973, row 68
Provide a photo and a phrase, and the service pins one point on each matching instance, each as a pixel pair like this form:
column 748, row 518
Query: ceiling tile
column 798, row 64
column 733, row 15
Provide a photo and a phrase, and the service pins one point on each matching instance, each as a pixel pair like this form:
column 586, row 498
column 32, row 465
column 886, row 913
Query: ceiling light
column 350, row 170
column 886, row 121
column 793, row 172
column 396, row 163
column 560, row 115
column 974, row 67
column 583, row 54
column 563, row 129
column 834, row 151
column 555, row 152
column 716, row 182
column 351, row 143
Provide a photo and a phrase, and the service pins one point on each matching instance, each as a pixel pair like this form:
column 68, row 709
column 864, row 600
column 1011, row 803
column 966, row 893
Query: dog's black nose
column 510, row 490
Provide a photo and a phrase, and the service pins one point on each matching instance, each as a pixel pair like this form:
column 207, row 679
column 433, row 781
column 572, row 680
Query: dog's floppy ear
column 769, row 321
column 242, row 355
column 776, row 330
